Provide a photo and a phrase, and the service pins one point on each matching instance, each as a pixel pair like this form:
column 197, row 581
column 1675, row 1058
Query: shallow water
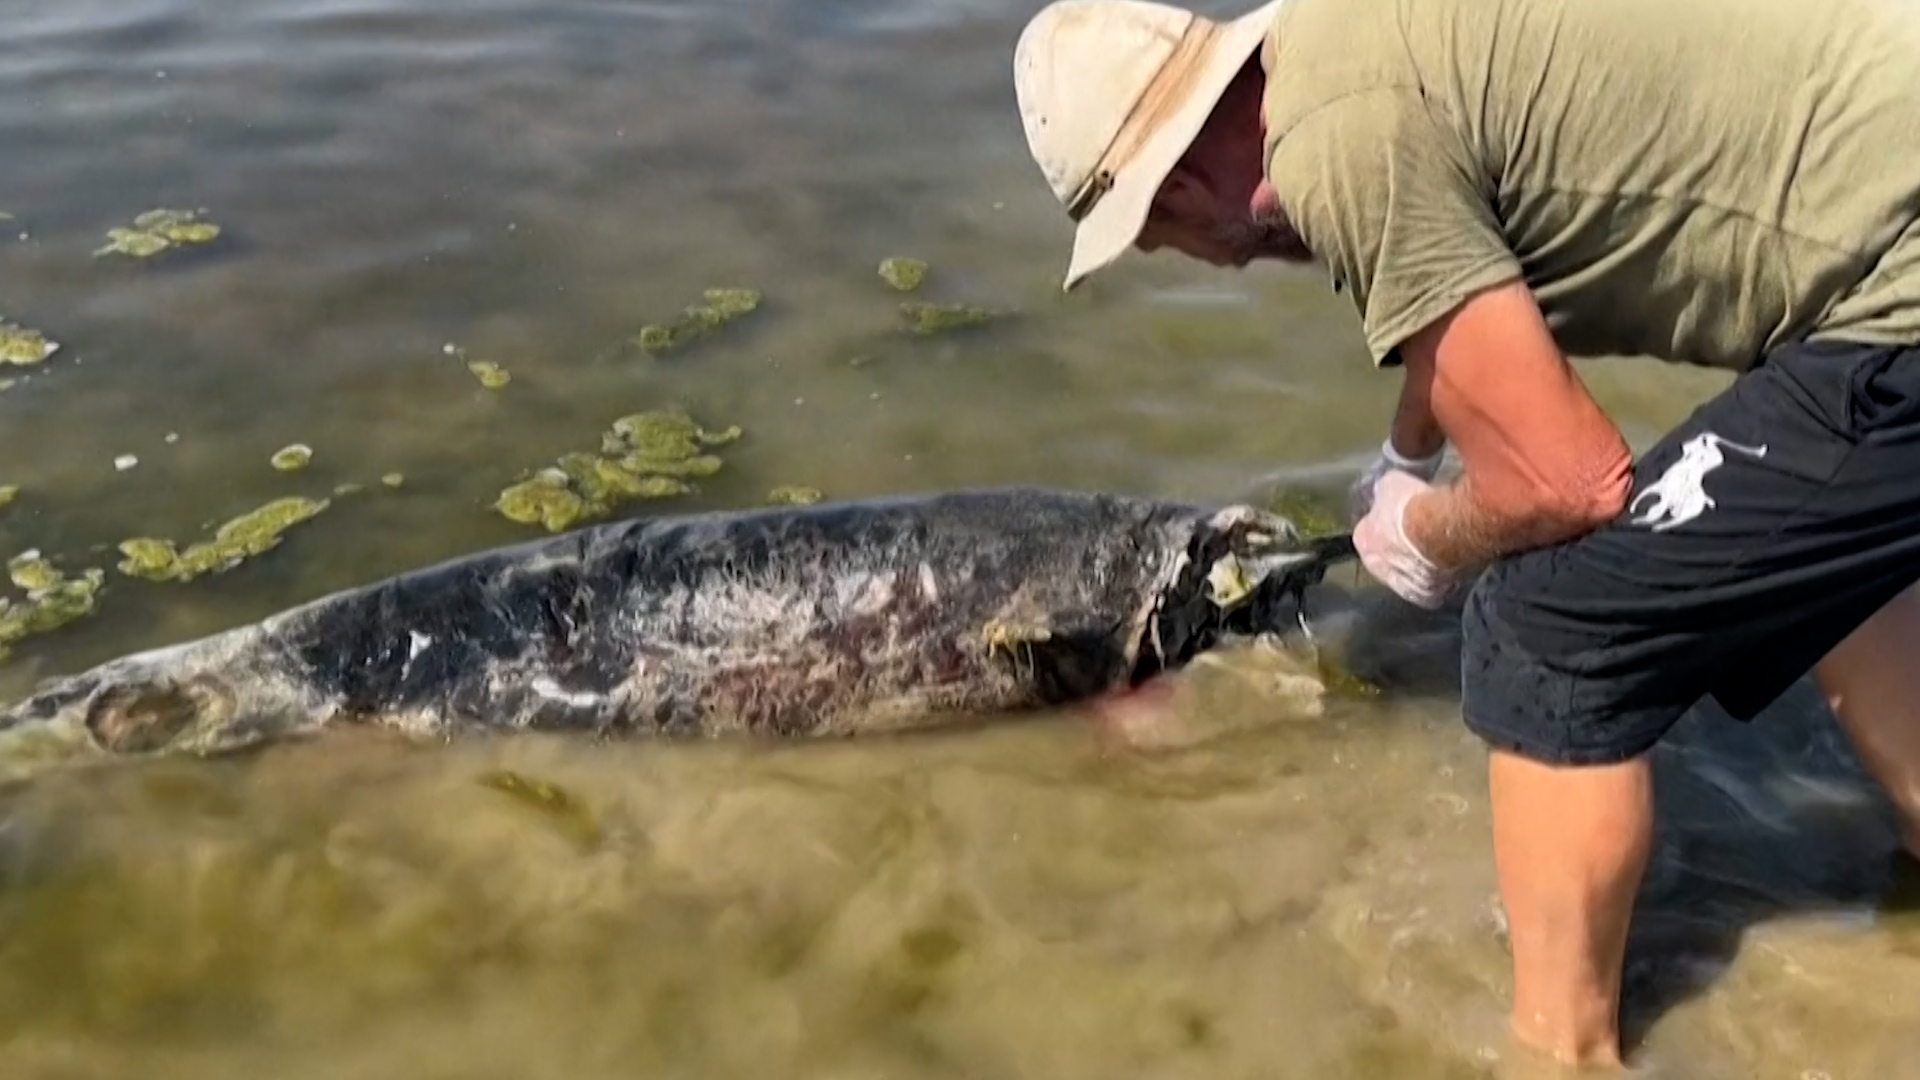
column 1255, row 884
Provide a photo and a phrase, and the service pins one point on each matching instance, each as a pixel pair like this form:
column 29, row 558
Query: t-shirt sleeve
column 1387, row 198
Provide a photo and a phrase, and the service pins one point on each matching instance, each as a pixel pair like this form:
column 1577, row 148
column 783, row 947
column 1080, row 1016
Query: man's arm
column 1415, row 432
column 1543, row 463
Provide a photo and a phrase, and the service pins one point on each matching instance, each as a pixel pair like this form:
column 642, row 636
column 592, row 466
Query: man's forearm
column 1457, row 531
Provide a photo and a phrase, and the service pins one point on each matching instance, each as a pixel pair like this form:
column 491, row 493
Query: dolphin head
column 209, row 696
column 1237, row 572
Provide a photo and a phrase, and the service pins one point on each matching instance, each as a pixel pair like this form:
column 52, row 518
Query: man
column 1499, row 184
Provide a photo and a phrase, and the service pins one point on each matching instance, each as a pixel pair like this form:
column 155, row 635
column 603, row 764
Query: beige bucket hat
column 1111, row 93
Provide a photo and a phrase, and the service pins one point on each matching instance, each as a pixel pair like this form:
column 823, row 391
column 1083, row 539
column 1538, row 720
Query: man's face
column 1190, row 218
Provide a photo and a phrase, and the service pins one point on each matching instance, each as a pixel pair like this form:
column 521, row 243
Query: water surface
column 1257, row 886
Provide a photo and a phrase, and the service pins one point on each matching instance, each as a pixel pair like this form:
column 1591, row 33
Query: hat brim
column 1116, row 220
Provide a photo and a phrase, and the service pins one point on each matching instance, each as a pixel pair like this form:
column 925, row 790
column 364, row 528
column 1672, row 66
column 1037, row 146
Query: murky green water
column 1252, row 886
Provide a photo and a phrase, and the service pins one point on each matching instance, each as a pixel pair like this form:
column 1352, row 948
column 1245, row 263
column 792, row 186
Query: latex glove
column 1360, row 495
column 1381, row 540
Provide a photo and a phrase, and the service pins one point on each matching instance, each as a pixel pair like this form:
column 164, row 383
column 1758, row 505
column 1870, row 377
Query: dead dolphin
column 837, row 618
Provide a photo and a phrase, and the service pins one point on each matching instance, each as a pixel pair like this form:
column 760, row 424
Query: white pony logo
column 1680, row 495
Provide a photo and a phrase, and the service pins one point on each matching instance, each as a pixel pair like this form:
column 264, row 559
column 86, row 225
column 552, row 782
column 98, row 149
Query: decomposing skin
column 52, row 600
column 394, row 479
column 643, row 456
column 8, row 493
column 253, row 533
column 159, row 230
column 836, row 619
column 23, row 347
column 903, row 273
column 722, row 306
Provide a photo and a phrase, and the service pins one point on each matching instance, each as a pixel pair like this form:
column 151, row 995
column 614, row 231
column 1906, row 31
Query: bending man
column 1499, row 184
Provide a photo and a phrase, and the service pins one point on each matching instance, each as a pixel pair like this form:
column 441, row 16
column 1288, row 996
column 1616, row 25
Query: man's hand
column 1389, row 459
column 1542, row 462
column 1380, row 538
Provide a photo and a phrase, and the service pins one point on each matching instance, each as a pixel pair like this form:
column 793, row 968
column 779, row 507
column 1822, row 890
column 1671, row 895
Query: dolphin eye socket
column 140, row 718
column 149, row 716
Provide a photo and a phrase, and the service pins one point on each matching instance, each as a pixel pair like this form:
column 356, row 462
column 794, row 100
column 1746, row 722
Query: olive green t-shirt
column 1694, row 180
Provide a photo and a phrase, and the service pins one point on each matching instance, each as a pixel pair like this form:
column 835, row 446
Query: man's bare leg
column 1872, row 683
column 1571, row 845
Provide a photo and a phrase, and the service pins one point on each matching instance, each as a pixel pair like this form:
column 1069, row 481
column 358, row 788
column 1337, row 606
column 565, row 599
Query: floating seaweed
column 290, row 458
column 29, row 572
column 159, row 230
column 1315, row 514
column 568, row 813
column 52, row 599
column 490, row 375
column 722, row 306
column 253, row 533
column 903, row 273
column 666, row 442
column 1342, row 682
column 794, row 495
column 643, row 456
column 24, row 347
column 924, row 319
column 544, row 500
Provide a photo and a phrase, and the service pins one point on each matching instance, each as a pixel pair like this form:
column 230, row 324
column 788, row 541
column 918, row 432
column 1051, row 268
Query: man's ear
column 1179, row 188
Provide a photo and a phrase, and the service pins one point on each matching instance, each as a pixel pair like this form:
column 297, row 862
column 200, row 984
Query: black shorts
column 1760, row 533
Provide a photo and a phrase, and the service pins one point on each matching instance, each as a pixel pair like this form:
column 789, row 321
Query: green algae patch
column 647, row 455
column 903, row 273
column 666, row 442
column 247, row 536
column 53, row 599
column 567, row 812
column 290, row 458
column 31, row 573
column 545, row 500
column 489, row 374
column 794, row 495
column 721, row 306
column 1315, row 514
column 925, row 320
column 603, row 480
column 1340, row 681
column 23, row 347
column 159, row 230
